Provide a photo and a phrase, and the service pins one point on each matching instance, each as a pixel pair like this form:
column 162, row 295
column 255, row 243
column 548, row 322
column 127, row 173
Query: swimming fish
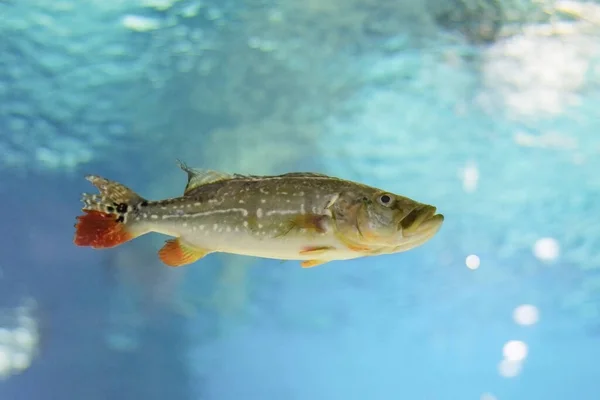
column 310, row 217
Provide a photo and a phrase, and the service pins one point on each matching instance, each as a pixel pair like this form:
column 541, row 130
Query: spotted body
column 296, row 216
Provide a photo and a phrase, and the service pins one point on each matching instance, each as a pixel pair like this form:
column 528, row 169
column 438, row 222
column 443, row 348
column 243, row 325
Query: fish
column 305, row 216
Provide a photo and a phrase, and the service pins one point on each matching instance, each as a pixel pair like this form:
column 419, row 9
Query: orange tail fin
column 100, row 230
column 107, row 220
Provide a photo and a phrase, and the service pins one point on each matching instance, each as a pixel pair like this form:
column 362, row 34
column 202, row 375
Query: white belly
column 282, row 248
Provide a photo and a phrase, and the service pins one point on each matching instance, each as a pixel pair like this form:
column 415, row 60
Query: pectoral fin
column 309, row 223
column 176, row 253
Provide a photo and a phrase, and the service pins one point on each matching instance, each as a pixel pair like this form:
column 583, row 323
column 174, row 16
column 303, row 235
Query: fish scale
column 255, row 223
column 296, row 216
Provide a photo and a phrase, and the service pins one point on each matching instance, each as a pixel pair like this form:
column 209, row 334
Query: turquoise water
column 486, row 109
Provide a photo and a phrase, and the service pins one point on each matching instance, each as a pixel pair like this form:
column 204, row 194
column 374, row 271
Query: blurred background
column 487, row 109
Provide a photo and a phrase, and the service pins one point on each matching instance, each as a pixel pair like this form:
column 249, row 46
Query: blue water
column 487, row 110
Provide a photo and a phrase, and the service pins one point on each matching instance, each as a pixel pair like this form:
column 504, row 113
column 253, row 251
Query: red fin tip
column 100, row 230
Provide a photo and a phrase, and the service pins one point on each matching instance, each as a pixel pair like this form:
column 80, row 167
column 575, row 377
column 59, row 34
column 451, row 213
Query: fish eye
column 385, row 199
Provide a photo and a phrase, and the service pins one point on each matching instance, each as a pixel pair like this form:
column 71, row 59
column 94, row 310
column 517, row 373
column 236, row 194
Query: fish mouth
column 422, row 219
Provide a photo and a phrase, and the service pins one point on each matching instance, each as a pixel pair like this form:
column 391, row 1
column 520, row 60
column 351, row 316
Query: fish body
column 310, row 217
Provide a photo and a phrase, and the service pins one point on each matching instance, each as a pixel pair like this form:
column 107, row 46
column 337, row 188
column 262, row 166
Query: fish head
column 384, row 222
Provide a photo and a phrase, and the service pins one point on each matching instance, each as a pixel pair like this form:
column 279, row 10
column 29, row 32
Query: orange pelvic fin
column 311, row 263
column 100, row 230
column 359, row 249
column 316, row 249
column 176, row 253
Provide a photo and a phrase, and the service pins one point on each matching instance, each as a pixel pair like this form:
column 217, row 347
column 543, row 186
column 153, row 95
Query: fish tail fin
column 108, row 218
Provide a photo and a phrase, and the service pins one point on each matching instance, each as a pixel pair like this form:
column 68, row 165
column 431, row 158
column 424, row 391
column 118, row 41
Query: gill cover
column 371, row 218
column 380, row 218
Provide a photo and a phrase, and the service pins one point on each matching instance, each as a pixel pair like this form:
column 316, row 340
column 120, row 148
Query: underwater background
column 487, row 109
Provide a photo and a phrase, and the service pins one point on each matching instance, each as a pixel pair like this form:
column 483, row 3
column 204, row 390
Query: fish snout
column 421, row 219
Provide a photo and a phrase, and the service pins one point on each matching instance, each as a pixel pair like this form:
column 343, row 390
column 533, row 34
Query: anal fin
column 176, row 253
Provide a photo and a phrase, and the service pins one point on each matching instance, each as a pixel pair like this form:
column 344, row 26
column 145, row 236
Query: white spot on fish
column 163, row 208
column 302, row 210
column 242, row 211
column 215, row 226
column 213, row 201
column 264, row 191
column 245, row 224
column 288, row 201
column 259, row 212
column 260, row 226
column 281, row 212
column 241, row 201
column 185, row 224
column 283, row 193
column 237, row 229
column 154, row 216
column 137, row 218
column 197, row 204
column 263, row 201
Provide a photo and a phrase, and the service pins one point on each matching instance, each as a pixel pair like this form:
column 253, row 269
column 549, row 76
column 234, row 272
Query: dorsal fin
column 286, row 175
column 305, row 175
column 199, row 177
